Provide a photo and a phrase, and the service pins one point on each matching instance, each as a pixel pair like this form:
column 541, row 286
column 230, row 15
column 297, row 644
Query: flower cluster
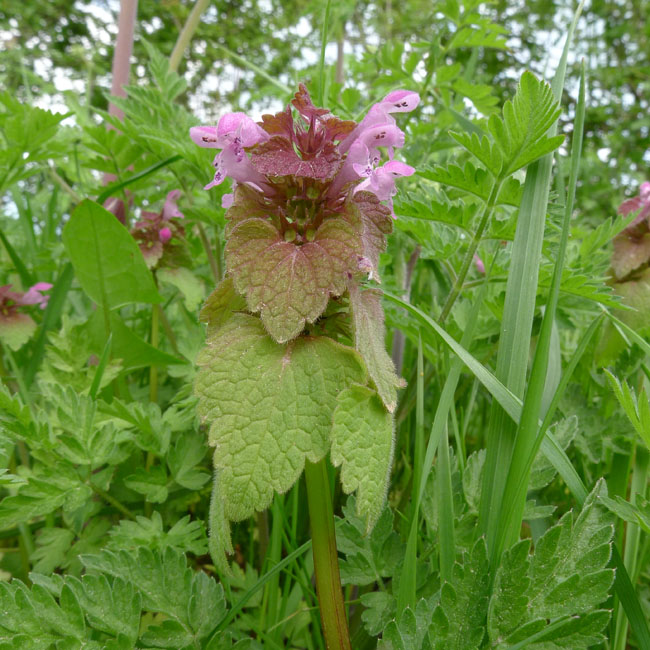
column 156, row 229
column 632, row 246
column 355, row 159
column 311, row 205
column 16, row 326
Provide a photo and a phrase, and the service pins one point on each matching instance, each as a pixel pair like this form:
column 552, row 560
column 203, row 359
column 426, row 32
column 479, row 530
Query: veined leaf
column 565, row 579
column 269, row 407
column 362, row 444
column 106, row 259
column 521, row 133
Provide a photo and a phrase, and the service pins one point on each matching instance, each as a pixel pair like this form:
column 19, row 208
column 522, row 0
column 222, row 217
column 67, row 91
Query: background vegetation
column 105, row 472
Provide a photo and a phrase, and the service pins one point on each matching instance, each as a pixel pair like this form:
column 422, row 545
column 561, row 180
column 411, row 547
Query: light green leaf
column 106, row 259
column 185, row 535
column 16, row 330
column 133, row 351
column 112, row 607
column 409, row 630
column 521, row 133
column 221, row 304
column 368, row 317
column 362, row 444
column 151, row 483
column 368, row 558
column 636, row 513
column 459, row 620
column 188, row 451
column 186, row 282
column 566, row 577
column 269, row 407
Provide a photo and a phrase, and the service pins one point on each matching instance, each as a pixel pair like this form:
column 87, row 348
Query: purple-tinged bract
column 311, row 203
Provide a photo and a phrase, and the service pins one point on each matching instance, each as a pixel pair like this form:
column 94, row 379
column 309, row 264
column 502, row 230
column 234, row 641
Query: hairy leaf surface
column 362, row 444
column 269, row 407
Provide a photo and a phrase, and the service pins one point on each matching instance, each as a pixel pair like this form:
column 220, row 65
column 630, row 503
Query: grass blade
column 516, row 326
column 525, row 447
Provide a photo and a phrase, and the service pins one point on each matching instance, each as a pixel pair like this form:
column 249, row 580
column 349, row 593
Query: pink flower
column 381, row 180
column 322, row 148
column 399, row 101
column 233, row 134
column 164, row 234
column 480, row 266
column 34, row 295
column 170, row 209
column 155, row 229
column 17, row 327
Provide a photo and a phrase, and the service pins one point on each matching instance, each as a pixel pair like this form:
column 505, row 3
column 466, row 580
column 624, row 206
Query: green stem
column 326, row 564
column 214, row 266
column 187, row 32
column 471, row 251
column 631, row 557
column 153, row 370
column 112, row 500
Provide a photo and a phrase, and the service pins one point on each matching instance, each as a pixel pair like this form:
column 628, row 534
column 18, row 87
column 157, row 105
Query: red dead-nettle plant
column 294, row 363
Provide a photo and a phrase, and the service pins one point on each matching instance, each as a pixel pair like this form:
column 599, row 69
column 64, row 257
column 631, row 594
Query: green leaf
column 521, row 133
column 368, row 318
column 566, row 577
column 151, row 483
column 637, row 410
column 106, row 259
column 16, row 330
column 269, row 407
column 188, row 451
column 290, row 285
column 221, row 304
column 368, row 558
column 112, row 607
column 185, row 535
column 362, row 444
column 163, row 579
column 133, row 351
column 409, row 630
column 186, row 282
column 459, row 620
column 52, row 546
column 636, row 513
column 45, row 492
column 482, row 148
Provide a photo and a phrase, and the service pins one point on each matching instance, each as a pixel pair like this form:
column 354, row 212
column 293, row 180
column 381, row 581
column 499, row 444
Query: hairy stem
column 326, row 563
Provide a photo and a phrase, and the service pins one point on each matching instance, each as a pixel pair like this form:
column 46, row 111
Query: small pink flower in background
column 156, row 229
column 480, row 266
column 34, row 295
column 16, row 327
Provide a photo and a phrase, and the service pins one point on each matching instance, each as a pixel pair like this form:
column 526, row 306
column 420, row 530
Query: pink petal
column 239, row 125
column 398, row 168
column 164, row 234
column 227, row 200
column 205, row 136
column 170, row 209
column 401, row 101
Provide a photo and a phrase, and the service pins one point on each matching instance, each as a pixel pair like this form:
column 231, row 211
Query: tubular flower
column 16, row 327
column 307, row 212
column 156, row 230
